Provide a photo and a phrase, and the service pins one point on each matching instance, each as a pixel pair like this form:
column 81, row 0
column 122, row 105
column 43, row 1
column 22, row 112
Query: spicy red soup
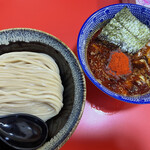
column 122, row 73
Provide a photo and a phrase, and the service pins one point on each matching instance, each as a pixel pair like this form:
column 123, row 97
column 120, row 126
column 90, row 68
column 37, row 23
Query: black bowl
column 63, row 125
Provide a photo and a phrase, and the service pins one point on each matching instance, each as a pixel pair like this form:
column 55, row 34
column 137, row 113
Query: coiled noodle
column 30, row 83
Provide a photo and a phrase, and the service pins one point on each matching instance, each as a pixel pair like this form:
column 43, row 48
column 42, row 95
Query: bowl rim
column 69, row 134
column 87, row 70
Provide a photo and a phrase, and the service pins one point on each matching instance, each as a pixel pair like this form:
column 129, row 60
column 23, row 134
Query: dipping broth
column 135, row 82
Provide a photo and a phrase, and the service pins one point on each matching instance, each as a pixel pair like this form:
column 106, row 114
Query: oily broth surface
column 136, row 83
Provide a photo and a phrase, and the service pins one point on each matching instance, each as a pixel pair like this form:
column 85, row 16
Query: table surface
column 106, row 124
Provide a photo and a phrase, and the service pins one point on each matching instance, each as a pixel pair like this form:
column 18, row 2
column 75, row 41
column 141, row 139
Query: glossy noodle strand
column 30, row 83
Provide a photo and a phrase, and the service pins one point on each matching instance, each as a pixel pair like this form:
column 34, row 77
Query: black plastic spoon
column 23, row 131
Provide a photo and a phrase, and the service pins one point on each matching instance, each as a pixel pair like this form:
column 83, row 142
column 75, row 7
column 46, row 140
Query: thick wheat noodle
column 37, row 96
column 51, row 73
column 44, row 77
column 26, row 70
column 13, row 77
column 36, row 63
column 34, row 98
column 17, row 81
column 23, row 86
column 30, row 83
column 35, row 58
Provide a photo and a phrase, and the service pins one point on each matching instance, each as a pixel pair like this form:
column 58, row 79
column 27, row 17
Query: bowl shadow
column 101, row 101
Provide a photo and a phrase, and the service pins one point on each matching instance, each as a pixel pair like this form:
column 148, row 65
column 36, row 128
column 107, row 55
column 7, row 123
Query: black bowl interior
column 57, row 122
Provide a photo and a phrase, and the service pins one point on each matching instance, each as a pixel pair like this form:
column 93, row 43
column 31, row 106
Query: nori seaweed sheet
column 126, row 31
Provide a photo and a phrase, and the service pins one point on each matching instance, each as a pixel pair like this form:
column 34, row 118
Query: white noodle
column 30, row 83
